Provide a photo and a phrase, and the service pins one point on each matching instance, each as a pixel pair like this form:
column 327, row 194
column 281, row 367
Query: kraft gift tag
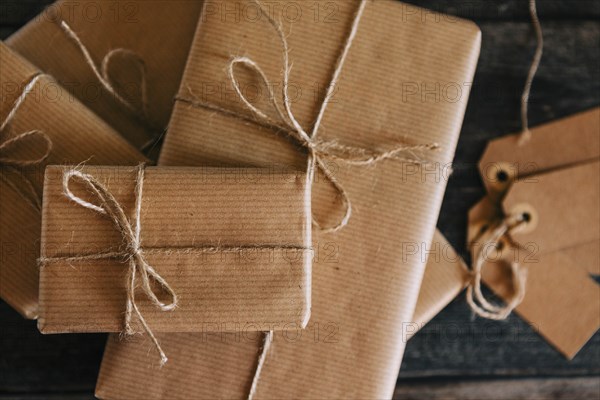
column 562, row 302
column 560, row 143
column 552, row 180
column 586, row 256
column 563, row 208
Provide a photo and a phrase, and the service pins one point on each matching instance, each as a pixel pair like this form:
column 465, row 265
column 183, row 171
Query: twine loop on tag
column 320, row 151
column 477, row 301
column 103, row 76
column 12, row 162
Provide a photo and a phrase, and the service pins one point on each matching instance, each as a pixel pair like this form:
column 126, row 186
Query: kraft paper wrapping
column 233, row 244
column 77, row 135
column 144, row 29
column 361, row 302
column 446, row 275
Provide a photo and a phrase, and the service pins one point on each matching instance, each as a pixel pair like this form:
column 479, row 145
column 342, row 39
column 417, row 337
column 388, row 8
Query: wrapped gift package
column 446, row 275
column 404, row 79
column 134, row 44
column 233, row 246
column 33, row 102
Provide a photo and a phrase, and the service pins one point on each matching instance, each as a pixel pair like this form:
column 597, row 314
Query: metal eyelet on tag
column 529, row 215
column 498, row 176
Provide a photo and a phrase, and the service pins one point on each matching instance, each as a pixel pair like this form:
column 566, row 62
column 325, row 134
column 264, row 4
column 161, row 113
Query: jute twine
column 484, row 308
column 133, row 253
column 475, row 298
column 537, row 58
column 12, row 162
column 319, row 151
column 102, row 75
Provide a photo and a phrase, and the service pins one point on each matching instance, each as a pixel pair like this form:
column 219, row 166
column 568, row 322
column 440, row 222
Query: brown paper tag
column 553, row 180
column 563, row 208
column 562, row 302
column 482, row 216
column 586, row 256
column 571, row 140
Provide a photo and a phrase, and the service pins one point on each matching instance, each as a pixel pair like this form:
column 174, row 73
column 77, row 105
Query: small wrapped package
column 136, row 53
column 222, row 249
column 368, row 78
column 41, row 124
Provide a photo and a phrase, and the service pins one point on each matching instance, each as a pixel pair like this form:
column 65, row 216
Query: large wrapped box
column 405, row 79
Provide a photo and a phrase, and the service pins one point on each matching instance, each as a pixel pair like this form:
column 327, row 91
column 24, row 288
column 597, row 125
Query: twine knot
column 475, row 298
column 35, row 138
column 132, row 254
column 319, row 150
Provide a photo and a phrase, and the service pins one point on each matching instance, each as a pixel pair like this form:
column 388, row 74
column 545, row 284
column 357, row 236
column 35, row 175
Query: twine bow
column 133, row 254
column 319, row 150
column 12, row 162
column 477, row 301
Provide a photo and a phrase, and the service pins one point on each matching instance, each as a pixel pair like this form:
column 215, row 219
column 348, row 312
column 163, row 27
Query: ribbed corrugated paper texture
column 183, row 211
column 77, row 135
column 159, row 34
column 361, row 302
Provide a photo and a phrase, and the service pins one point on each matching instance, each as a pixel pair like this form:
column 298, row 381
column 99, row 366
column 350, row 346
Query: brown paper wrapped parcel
column 405, row 78
column 42, row 124
column 138, row 47
column 142, row 28
column 230, row 248
column 446, row 275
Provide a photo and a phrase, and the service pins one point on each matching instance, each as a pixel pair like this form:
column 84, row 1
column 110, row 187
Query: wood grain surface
column 456, row 356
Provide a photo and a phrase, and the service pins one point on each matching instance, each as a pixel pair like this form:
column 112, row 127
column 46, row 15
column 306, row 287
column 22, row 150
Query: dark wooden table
column 456, row 356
